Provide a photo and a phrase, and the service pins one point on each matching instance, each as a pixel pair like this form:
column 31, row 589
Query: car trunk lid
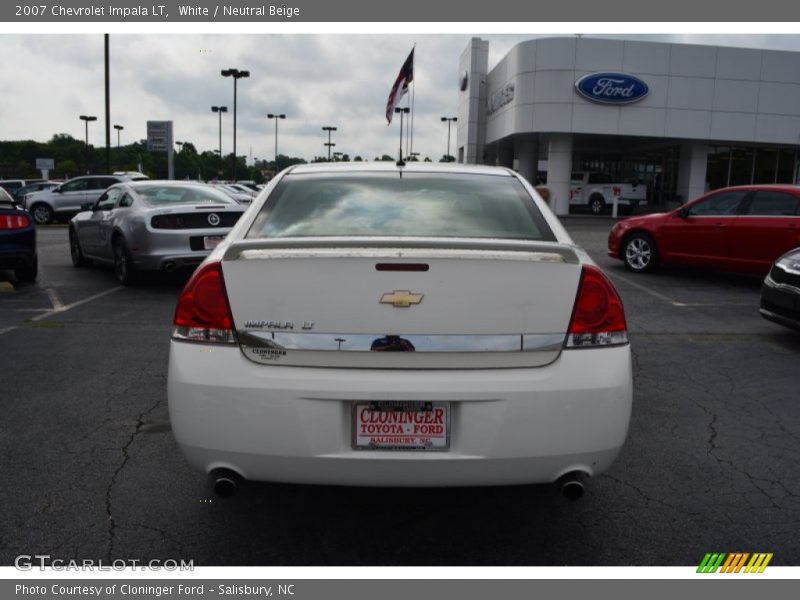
column 410, row 303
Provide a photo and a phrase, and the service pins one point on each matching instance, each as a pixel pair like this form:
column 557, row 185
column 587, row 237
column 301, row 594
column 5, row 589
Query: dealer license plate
column 401, row 426
column 212, row 241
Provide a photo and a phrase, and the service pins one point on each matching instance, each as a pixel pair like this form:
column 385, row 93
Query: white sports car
column 399, row 325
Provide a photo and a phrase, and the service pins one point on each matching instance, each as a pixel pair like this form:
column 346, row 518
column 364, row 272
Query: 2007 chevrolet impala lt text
column 398, row 325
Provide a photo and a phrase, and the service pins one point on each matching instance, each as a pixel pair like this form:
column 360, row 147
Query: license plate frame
column 413, row 439
column 212, row 241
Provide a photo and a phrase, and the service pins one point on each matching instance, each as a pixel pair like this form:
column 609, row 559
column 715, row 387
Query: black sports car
column 780, row 293
column 17, row 239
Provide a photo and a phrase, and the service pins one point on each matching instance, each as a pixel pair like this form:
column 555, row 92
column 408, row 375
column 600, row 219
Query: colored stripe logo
column 735, row 562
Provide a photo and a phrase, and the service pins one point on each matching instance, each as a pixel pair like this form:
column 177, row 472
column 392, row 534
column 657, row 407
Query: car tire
column 124, row 270
column 75, row 251
column 42, row 214
column 597, row 204
column 28, row 274
column 639, row 253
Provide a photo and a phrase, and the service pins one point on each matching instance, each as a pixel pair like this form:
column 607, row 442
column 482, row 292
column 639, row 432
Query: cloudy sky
column 339, row 80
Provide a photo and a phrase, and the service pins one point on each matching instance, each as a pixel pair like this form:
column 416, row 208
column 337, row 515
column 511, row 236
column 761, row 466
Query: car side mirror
column 683, row 213
column 87, row 206
column 58, row 190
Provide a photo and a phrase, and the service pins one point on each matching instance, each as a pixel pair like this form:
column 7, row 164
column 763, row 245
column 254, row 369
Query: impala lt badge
column 401, row 298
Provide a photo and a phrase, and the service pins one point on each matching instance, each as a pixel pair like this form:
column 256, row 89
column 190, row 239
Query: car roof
column 120, row 177
column 787, row 187
column 164, row 182
column 391, row 167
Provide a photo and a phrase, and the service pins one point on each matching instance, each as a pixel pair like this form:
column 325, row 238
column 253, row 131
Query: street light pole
column 237, row 75
column 276, row 117
column 329, row 144
column 220, row 110
column 449, row 120
column 118, row 128
column 86, row 119
column 108, row 104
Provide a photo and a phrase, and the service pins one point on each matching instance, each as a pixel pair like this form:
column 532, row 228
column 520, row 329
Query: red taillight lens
column 203, row 313
column 8, row 222
column 598, row 318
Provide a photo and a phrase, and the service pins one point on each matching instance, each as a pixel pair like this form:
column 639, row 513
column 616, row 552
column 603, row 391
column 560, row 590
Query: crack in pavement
column 126, row 457
column 646, row 496
column 713, row 449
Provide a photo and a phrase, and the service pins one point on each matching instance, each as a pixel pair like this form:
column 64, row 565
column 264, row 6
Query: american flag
column 400, row 86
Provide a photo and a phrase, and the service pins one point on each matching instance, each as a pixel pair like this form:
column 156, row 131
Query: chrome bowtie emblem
column 213, row 219
column 401, row 298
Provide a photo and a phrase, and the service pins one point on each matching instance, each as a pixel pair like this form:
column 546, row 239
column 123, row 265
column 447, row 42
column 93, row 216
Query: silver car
column 151, row 225
column 67, row 199
column 240, row 197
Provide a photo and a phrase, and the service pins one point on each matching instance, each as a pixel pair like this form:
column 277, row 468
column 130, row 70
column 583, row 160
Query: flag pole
column 413, row 89
column 400, row 158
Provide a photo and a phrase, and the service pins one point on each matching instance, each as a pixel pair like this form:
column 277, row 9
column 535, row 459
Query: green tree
column 66, row 168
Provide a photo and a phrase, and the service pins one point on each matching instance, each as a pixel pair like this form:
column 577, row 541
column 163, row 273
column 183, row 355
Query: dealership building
column 681, row 118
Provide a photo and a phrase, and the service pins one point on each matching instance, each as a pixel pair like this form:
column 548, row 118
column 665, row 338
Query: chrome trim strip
column 365, row 342
column 399, row 246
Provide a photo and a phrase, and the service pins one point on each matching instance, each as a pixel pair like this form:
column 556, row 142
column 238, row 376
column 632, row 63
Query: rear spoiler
column 403, row 246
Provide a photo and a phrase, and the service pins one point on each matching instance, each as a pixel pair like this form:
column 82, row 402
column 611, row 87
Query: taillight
column 167, row 222
column 203, row 313
column 8, row 222
column 598, row 318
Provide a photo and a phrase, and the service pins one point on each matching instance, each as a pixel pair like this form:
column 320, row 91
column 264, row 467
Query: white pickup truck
column 597, row 191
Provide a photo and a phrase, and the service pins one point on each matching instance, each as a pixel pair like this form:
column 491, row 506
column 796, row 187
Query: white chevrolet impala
column 399, row 325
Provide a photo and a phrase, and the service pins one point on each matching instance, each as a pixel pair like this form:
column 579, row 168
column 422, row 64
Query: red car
column 740, row 229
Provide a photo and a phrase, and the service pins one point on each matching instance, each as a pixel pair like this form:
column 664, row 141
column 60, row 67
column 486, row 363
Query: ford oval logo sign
column 611, row 88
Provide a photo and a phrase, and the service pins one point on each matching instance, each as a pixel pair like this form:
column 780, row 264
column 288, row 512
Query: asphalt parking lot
column 90, row 469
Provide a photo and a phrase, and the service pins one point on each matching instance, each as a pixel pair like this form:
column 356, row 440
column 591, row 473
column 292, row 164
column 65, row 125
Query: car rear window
column 159, row 195
column 387, row 204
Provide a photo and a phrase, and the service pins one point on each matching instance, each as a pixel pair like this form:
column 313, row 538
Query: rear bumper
column 633, row 202
column 158, row 262
column 17, row 248
column 293, row 424
column 157, row 249
column 16, row 260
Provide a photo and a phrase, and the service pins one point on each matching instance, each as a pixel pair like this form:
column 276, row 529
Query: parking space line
column 647, row 290
column 66, row 307
column 672, row 301
column 54, row 299
column 6, row 330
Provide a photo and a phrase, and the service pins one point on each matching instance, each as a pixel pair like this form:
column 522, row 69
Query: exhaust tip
column 572, row 490
column 571, row 485
column 170, row 266
column 225, row 482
